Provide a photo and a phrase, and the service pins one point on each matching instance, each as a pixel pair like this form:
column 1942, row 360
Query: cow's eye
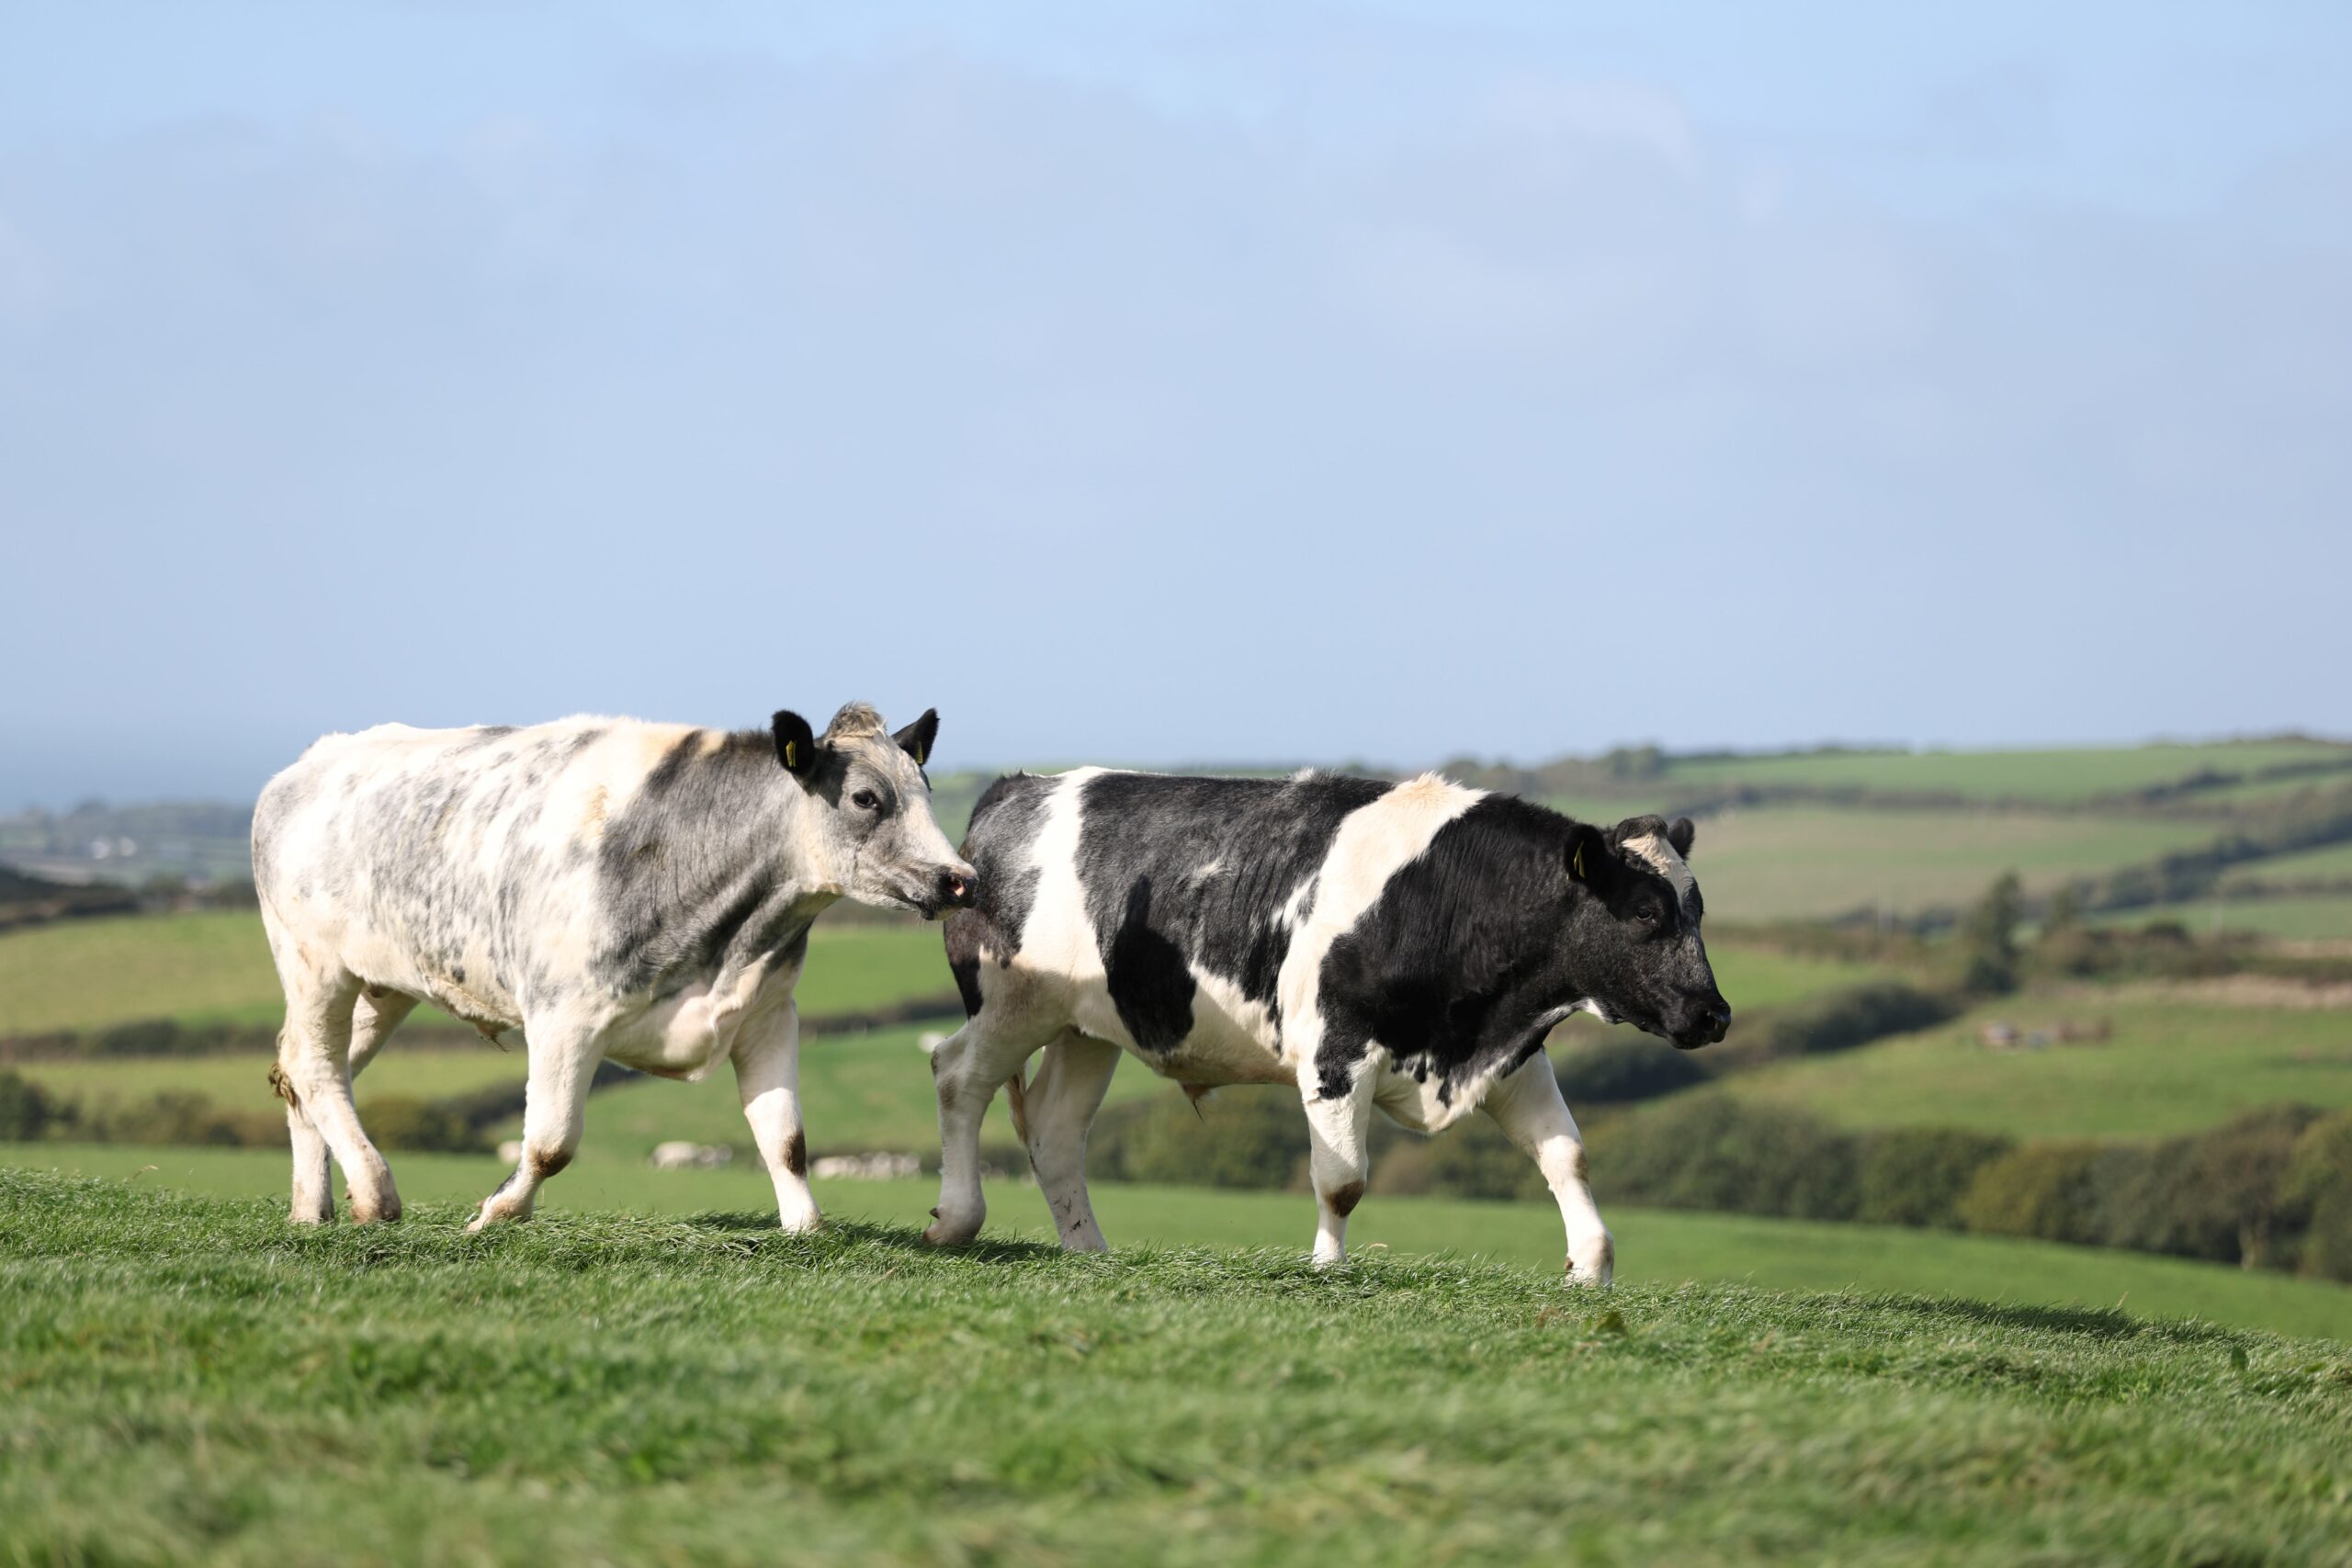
column 865, row 800
column 1647, row 914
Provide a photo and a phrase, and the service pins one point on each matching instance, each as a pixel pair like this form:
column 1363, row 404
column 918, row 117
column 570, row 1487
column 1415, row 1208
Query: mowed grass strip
column 2166, row 1066
column 214, row 967
column 191, row 1380
column 1655, row 1247
column 2061, row 777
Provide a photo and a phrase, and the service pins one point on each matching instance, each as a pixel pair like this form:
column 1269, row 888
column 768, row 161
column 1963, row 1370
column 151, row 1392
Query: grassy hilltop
column 189, row 1380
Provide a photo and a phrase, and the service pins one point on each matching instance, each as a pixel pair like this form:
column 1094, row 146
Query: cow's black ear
column 795, row 744
column 915, row 738
column 1588, row 854
column 1682, row 835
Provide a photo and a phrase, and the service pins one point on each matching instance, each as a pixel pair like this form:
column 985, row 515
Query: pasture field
column 863, row 1090
column 2169, row 1067
column 190, row 1380
column 2058, row 777
column 214, row 966
column 2331, row 862
column 240, row 1080
column 1655, row 1247
column 2315, row 918
column 1777, row 862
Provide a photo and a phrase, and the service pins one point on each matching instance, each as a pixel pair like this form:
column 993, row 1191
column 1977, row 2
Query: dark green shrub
column 401, row 1123
column 2040, row 1189
column 2315, row 1197
column 1711, row 1151
column 1622, row 1066
column 26, row 1109
column 1472, row 1159
column 2218, row 1195
column 1915, row 1176
column 1840, row 1020
column 1245, row 1136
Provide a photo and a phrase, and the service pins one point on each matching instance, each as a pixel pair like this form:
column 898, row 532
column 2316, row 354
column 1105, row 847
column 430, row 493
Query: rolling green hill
column 2168, row 1067
column 214, row 967
column 1777, row 862
column 189, row 1380
column 2056, row 777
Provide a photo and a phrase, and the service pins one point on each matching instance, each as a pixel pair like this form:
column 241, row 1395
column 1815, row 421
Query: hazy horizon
column 1170, row 382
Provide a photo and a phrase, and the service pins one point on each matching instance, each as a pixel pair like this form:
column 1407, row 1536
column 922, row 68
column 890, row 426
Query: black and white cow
column 616, row 890
column 1403, row 945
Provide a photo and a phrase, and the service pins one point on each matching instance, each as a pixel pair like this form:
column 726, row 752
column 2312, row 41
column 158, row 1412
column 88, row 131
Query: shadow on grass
column 2092, row 1323
column 903, row 1239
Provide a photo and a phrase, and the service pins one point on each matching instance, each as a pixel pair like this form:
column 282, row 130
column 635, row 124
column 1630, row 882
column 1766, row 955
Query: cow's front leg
column 767, row 1074
column 564, row 1059
column 1527, row 1106
column 1339, row 1123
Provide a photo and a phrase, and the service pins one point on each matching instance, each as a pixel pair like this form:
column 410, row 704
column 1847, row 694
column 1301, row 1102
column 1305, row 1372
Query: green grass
column 2331, row 862
column 240, row 1080
column 214, row 967
column 863, row 1090
column 188, row 1380
column 207, row 968
column 1794, row 861
column 2168, row 1067
column 2318, row 918
column 1761, row 977
column 2059, row 777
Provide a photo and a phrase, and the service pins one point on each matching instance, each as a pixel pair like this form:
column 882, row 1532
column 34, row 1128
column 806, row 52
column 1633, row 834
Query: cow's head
column 1634, row 934
column 871, row 828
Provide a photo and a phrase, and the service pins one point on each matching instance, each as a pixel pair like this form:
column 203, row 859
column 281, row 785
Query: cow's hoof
column 952, row 1232
column 800, row 1224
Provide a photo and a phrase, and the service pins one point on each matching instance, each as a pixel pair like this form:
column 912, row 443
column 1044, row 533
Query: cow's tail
column 1016, row 1099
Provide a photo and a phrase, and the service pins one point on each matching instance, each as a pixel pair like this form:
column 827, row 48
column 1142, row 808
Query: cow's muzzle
column 1709, row 1022
column 951, row 888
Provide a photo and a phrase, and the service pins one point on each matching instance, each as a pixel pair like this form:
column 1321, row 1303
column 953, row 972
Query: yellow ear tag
column 1579, row 863
column 792, row 753
column 921, row 758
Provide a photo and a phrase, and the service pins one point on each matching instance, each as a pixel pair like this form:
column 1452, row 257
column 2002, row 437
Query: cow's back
column 1156, row 910
column 420, row 858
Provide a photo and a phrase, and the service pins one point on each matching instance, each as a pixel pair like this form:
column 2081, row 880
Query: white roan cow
column 616, row 890
column 1400, row 946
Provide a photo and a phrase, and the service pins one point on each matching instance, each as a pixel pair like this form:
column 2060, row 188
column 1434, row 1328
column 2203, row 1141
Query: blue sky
column 1161, row 383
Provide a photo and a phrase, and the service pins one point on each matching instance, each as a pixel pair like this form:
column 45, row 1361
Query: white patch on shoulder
column 1374, row 843
column 1653, row 848
column 1058, row 945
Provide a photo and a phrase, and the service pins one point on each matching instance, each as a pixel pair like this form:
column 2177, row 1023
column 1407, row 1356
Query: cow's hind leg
column 967, row 1069
column 313, row 1076
column 767, row 1073
column 1339, row 1127
column 555, row 1106
column 374, row 1015
column 1528, row 1107
column 1052, row 1111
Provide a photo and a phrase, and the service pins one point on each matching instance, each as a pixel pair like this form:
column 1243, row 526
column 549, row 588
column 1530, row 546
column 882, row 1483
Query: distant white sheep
column 866, row 1167
column 683, row 1155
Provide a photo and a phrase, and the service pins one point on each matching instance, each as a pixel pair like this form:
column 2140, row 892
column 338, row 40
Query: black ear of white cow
column 1682, row 835
column 915, row 738
column 795, row 744
column 1588, row 854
